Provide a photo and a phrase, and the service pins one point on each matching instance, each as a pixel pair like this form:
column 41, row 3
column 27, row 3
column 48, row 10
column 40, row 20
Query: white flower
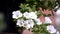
column 57, row 32
column 48, row 20
column 17, row 14
column 38, row 21
column 31, row 23
column 51, row 29
column 26, row 15
column 20, row 22
column 58, row 12
column 28, row 24
column 33, row 15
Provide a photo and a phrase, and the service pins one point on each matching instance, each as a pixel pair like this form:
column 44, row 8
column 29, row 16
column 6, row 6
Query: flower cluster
column 17, row 14
column 29, row 19
column 29, row 22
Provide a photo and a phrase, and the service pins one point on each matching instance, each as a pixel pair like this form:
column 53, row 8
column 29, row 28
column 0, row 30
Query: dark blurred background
column 7, row 7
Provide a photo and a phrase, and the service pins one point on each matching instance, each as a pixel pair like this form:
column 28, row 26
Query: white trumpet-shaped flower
column 28, row 24
column 26, row 15
column 20, row 22
column 33, row 15
column 48, row 20
column 38, row 21
column 17, row 14
column 31, row 23
column 51, row 29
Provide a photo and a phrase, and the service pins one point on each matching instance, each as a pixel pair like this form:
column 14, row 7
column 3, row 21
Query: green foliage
column 20, row 29
column 58, row 1
column 45, row 4
column 38, row 14
column 24, row 7
column 40, row 29
column 27, row 7
column 47, row 15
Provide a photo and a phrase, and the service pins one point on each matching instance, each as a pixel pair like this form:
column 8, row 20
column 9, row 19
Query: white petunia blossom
column 28, row 24
column 51, row 29
column 38, row 21
column 48, row 20
column 26, row 15
column 33, row 15
column 20, row 22
column 31, row 23
column 58, row 12
column 57, row 32
column 17, row 14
